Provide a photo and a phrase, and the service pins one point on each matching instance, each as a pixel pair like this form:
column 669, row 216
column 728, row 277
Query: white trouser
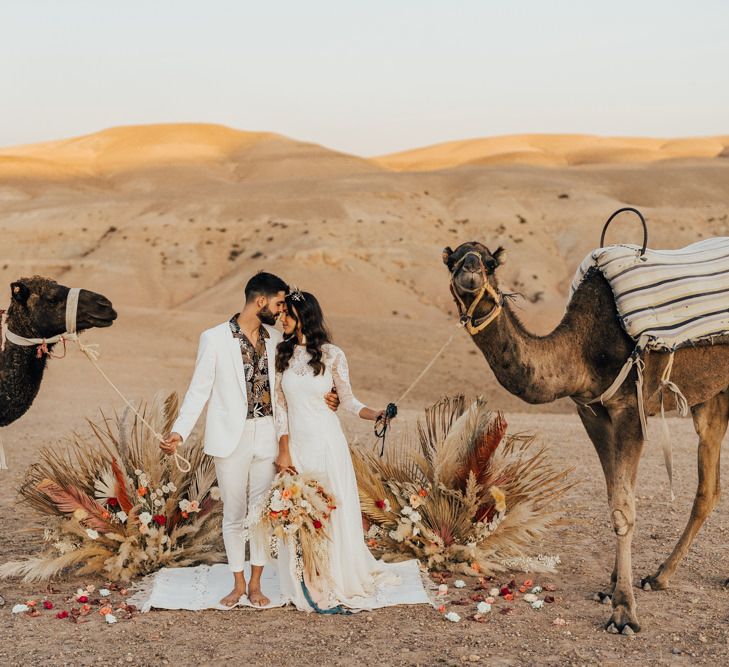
column 244, row 477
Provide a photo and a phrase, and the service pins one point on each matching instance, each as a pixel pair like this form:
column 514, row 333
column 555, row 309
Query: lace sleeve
column 340, row 373
column 282, row 410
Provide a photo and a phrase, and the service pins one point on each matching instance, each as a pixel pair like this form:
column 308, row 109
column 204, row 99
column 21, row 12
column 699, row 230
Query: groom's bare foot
column 236, row 594
column 257, row 598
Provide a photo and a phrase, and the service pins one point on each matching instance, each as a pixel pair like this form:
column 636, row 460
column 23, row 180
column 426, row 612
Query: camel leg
column 710, row 422
column 628, row 440
column 599, row 428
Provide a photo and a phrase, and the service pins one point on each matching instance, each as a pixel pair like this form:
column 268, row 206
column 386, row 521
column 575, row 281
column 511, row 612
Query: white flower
column 415, row 517
column 538, row 604
column 406, row 510
column 483, row 608
column 416, row 531
column 277, row 505
column 138, row 472
column 159, row 492
column 145, row 518
column 215, row 493
column 459, row 583
column 494, row 592
column 530, row 597
column 442, row 589
column 20, row 608
column 110, row 618
column 184, row 505
column 122, row 516
column 453, row 617
column 537, row 589
column 305, row 504
column 158, row 503
column 387, row 507
column 164, row 539
column 104, row 592
column 165, row 489
column 172, row 487
column 92, row 533
column 153, row 495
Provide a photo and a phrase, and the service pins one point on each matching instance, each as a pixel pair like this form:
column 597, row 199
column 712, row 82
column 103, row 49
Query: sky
column 369, row 76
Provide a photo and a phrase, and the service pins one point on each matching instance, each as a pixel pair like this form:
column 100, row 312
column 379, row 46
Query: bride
column 311, row 441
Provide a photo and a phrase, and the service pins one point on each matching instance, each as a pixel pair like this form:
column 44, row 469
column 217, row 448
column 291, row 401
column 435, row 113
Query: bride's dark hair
column 306, row 310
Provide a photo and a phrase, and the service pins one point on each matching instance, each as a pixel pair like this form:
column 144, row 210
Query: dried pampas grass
column 469, row 498
column 117, row 506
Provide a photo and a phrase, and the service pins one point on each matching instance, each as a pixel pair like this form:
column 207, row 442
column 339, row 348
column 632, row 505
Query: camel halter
column 92, row 354
column 467, row 319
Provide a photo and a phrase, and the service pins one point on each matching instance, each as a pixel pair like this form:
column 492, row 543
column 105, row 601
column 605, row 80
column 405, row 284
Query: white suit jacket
column 219, row 378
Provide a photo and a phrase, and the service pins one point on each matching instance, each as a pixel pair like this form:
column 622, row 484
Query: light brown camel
column 580, row 359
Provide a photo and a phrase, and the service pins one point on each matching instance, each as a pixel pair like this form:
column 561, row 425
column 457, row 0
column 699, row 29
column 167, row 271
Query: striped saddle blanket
column 667, row 298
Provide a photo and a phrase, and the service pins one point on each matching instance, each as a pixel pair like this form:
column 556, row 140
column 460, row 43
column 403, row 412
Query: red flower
column 317, row 524
column 47, row 604
column 380, row 504
column 62, row 614
column 504, row 591
column 112, row 502
column 159, row 519
column 83, row 599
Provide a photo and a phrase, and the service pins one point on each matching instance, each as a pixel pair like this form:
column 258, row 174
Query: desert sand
column 170, row 221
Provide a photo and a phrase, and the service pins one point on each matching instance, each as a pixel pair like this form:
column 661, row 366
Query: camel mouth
column 100, row 321
column 468, row 282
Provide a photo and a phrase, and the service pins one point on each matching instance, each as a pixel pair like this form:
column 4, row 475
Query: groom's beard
column 267, row 317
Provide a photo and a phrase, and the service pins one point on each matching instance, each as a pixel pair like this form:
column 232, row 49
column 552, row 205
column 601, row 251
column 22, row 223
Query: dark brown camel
column 580, row 359
column 38, row 310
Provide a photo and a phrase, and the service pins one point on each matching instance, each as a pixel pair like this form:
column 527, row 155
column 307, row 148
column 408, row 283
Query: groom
column 235, row 373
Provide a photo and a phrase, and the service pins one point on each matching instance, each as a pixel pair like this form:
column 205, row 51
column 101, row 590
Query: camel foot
column 602, row 597
column 623, row 621
column 653, row 583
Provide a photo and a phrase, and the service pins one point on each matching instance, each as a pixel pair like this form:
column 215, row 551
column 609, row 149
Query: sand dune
column 170, row 221
column 552, row 150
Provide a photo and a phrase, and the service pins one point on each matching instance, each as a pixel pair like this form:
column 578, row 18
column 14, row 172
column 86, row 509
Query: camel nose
column 471, row 264
column 103, row 302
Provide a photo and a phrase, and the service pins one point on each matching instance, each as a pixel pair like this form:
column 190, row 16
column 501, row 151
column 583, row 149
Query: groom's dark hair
column 264, row 284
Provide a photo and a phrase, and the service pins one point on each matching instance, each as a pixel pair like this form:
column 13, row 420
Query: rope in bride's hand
column 382, row 423
column 92, row 354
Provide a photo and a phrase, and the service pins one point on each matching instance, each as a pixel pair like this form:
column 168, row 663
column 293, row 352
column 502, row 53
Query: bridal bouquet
column 115, row 505
column 298, row 510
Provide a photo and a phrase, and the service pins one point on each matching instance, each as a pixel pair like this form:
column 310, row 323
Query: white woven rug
column 202, row 587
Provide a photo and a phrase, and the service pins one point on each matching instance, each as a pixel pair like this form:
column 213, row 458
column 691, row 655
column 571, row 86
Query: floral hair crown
column 295, row 294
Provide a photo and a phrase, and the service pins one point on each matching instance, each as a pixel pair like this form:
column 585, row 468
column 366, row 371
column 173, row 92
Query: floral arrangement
column 298, row 510
column 118, row 506
column 468, row 499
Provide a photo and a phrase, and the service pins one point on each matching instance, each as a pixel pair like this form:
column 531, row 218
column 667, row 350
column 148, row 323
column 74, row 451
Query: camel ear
column 447, row 252
column 20, row 292
column 499, row 255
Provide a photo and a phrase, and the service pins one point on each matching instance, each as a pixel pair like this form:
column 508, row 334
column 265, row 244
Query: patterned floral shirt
column 255, row 364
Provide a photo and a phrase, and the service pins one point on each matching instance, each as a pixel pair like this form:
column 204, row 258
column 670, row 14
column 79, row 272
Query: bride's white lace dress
column 318, row 446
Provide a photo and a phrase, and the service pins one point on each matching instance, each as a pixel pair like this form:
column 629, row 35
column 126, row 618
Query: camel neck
column 537, row 369
column 21, row 373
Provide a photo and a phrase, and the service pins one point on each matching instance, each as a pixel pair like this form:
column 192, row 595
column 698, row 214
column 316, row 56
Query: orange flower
column 273, row 515
column 105, row 610
column 528, row 582
column 475, row 566
column 422, row 493
column 509, row 597
column 142, row 491
column 185, row 515
column 285, row 513
column 442, row 608
column 286, row 494
column 522, row 589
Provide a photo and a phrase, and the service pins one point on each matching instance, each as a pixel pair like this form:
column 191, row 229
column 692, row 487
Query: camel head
column 38, row 308
column 473, row 282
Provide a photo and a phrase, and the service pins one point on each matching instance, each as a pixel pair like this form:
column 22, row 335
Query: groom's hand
column 332, row 399
column 170, row 444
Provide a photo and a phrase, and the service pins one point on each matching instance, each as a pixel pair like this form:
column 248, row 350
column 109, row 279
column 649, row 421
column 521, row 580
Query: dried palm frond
column 470, row 498
column 114, row 501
